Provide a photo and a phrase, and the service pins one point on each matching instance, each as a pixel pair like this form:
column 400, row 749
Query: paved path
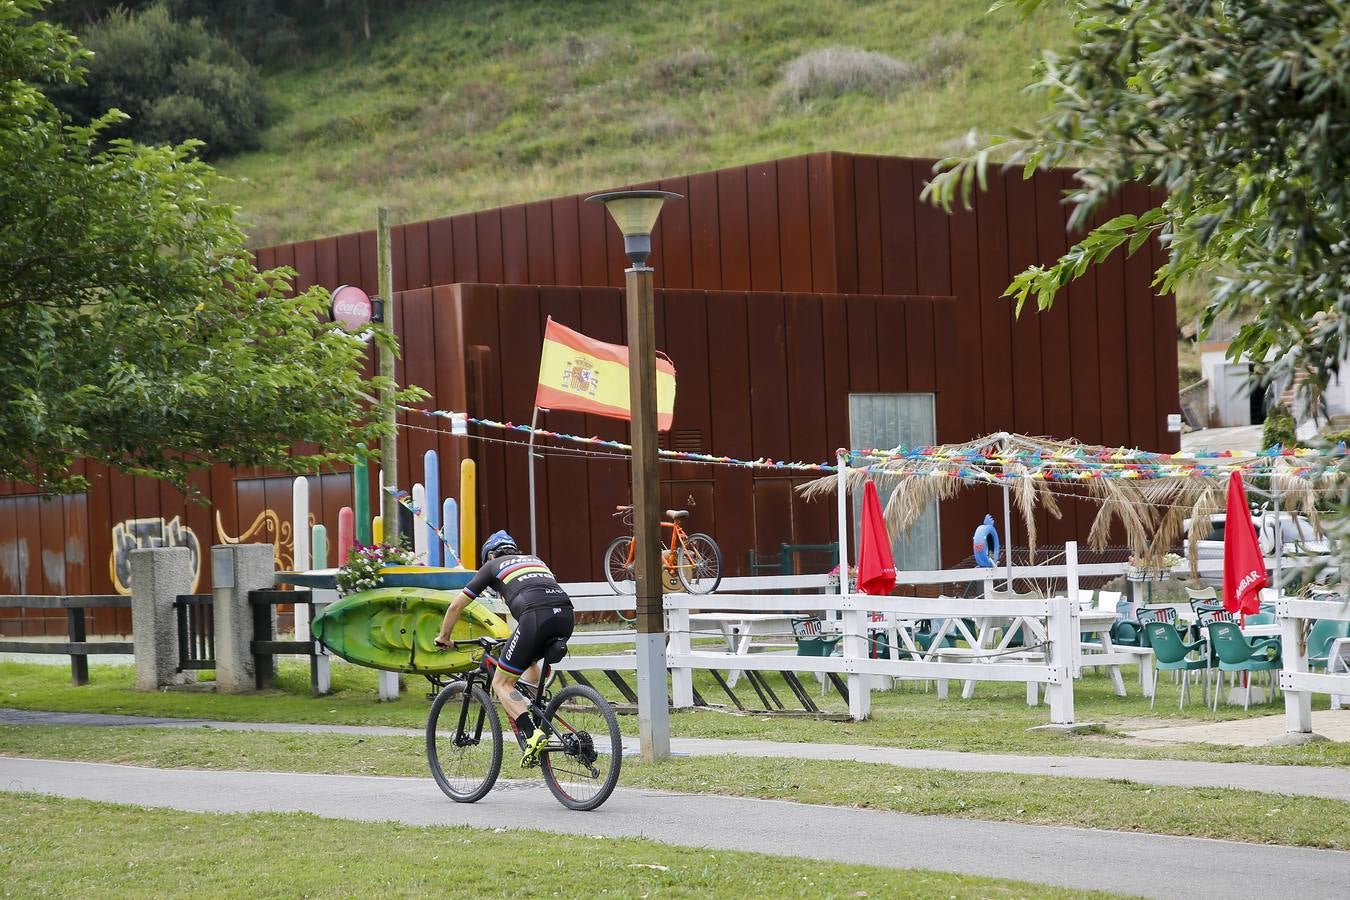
column 1309, row 781
column 1333, row 724
column 1070, row 857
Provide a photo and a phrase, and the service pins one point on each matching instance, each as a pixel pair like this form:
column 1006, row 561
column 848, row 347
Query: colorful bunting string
column 988, row 462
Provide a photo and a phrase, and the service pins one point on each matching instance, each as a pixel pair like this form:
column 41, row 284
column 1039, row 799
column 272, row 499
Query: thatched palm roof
column 1149, row 494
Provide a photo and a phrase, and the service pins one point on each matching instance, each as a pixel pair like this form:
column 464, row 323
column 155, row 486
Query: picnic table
column 739, row 629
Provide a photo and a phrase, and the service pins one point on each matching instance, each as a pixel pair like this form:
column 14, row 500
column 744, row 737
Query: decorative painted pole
column 431, row 481
column 377, row 530
column 468, row 504
column 346, row 535
column 319, row 558
column 361, row 498
column 450, row 516
column 300, row 547
column 300, row 524
column 419, row 499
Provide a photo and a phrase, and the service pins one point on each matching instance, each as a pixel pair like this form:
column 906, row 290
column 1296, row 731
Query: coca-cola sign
column 351, row 308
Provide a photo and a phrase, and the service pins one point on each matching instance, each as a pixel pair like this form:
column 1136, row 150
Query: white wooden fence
column 1296, row 681
column 1053, row 622
column 1055, row 672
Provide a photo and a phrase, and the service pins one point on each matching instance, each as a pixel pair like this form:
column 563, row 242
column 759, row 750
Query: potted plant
column 1151, row 567
column 362, row 570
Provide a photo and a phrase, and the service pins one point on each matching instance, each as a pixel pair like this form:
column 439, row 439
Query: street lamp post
column 635, row 213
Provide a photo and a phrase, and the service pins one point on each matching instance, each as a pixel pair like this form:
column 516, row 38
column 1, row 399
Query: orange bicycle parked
column 694, row 559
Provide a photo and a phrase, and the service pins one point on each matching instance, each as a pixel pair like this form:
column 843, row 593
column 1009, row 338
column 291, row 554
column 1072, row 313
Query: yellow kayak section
column 392, row 628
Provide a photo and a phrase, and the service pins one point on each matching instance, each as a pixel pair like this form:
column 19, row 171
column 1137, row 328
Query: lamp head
column 635, row 213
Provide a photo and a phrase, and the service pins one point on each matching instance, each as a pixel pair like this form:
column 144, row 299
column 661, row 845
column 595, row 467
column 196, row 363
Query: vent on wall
column 685, row 440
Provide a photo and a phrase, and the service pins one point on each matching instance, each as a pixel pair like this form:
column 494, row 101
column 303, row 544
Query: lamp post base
column 653, row 697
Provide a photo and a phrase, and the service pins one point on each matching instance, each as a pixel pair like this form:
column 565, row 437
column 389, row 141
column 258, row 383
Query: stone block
column 158, row 576
column 236, row 570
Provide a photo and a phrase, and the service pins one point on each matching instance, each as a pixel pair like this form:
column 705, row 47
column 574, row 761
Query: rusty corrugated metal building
column 790, row 293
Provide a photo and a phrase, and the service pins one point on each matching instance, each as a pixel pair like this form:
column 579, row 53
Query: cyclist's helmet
column 497, row 544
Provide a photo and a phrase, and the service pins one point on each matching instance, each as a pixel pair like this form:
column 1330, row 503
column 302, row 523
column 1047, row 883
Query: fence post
column 1063, row 649
column 681, row 676
column 237, row 569
column 1297, row 704
column 158, row 576
column 1071, row 561
column 79, row 663
column 855, row 638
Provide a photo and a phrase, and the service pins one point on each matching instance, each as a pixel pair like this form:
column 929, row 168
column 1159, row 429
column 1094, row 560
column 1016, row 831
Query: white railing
column 1054, row 669
column 1054, row 622
column 1296, row 681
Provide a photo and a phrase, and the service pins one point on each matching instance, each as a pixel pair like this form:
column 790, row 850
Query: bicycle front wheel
column 464, row 742
column 699, row 563
column 581, row 763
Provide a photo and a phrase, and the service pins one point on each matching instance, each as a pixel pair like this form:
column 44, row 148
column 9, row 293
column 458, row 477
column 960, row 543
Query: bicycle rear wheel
column 464, row 743
column 581, row 764
column 699, row 563
column 620, row 571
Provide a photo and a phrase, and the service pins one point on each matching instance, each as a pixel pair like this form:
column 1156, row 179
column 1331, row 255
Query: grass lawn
column 1088, row 803
column 481, row 104
column 994, row 721
column 78, row 848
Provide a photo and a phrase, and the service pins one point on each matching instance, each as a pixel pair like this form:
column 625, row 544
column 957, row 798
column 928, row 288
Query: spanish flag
column 590, row 376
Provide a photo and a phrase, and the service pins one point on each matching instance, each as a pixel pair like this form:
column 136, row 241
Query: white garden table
column 739, row 629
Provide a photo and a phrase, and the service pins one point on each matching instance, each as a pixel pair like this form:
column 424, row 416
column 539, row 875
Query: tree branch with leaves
column 135, row 330
column 1240, row 109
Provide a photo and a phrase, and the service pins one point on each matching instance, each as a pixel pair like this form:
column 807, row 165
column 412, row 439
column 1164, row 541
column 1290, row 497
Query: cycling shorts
column 535, row 629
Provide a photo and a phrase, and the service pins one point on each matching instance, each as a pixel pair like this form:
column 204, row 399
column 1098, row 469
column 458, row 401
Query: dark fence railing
column 196, row 632
column 76, row 645
column 266, row 649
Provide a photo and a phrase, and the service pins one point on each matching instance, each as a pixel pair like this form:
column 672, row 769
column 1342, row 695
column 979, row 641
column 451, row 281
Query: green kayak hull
column 393, row 629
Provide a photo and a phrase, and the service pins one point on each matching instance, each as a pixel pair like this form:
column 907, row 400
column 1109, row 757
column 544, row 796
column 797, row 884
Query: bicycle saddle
column 555, row 650
column 677, row 513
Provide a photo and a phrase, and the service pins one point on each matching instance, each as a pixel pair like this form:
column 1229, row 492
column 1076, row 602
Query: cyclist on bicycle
column 543, row 613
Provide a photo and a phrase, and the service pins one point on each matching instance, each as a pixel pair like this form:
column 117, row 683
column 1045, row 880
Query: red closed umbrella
column 876, row 566
column 1244, row 568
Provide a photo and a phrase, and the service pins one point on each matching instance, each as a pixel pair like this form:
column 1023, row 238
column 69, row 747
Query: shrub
column 690, row 69
column 833, row 71
column 175, row 80
column 1332, row 438
column 1280, row 428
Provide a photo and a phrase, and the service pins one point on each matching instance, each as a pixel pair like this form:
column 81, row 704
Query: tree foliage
column 173, row 78
column 261, row 29
column 134, row 328
column 1241, row 110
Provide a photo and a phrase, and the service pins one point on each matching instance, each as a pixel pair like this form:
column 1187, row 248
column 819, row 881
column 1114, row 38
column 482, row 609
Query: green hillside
column 476, row 104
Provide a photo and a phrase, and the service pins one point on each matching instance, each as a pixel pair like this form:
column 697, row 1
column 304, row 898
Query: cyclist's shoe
column 533, row 745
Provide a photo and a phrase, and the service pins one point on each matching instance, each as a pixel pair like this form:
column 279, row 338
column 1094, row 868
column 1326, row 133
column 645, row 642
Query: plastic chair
column 1164, row 614
column 1127, row 634
column 1205, row 593
column 1171, row 654
column 810, row 640
column 1321, row 636
column 1236, row 655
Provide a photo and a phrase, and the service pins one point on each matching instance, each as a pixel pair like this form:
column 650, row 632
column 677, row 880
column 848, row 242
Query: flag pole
column 534, row 533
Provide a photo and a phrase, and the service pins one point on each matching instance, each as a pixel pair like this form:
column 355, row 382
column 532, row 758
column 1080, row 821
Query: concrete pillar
column 158, row 576
column 237, row 569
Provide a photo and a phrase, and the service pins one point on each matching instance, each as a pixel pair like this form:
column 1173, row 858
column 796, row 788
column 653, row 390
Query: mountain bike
column 693, row 560
column 580, row 762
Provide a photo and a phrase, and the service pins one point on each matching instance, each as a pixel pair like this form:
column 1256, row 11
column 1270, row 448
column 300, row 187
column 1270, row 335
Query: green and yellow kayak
column 392, row 628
